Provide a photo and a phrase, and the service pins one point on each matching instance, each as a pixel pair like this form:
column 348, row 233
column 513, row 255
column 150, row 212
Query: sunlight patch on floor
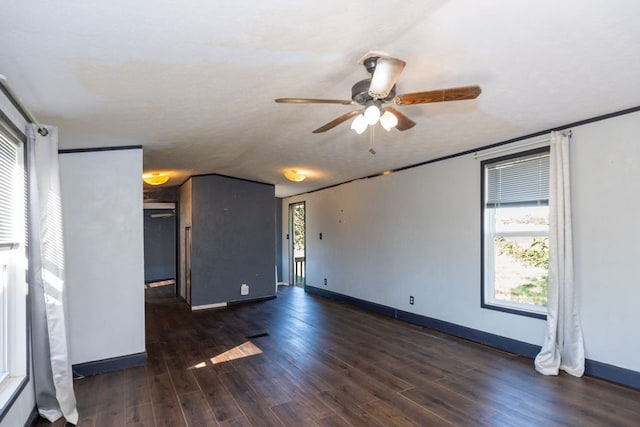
column 245, row 349
column 160, row 283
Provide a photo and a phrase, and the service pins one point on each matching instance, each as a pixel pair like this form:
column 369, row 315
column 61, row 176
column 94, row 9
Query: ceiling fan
column 374, row 92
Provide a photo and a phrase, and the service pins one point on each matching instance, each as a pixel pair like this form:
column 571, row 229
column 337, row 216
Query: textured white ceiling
column 194, row 81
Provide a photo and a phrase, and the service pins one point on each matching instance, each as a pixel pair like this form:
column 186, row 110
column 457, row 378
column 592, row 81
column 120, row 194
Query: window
column 13, row 287
column 515, row 224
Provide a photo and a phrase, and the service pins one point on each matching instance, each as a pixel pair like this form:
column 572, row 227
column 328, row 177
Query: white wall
column 103, row 220
column 417, row 232
column 606, row 206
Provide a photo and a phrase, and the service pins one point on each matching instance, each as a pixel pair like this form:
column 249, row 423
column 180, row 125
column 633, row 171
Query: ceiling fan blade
column 336, row 122
column 404, row 122
column 384, row 77
column 312, row 101
column 440, row 95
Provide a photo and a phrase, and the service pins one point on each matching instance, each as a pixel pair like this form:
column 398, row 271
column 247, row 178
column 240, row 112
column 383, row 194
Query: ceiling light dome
column 155, row 178
column 294, row 175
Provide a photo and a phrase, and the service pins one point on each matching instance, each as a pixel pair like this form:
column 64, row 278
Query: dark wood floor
column 301, row 360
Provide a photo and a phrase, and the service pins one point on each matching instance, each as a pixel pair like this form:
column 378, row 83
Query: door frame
column 187, row 263
column 291, row 238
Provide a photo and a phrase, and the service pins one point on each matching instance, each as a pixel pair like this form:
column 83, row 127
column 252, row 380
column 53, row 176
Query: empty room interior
column 399, row 213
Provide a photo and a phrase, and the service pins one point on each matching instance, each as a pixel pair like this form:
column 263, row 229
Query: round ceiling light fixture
column 155, row 178
column 294, row 175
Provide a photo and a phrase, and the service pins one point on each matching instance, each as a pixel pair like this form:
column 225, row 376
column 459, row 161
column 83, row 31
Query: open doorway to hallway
column 159, row 244
column 297, row 245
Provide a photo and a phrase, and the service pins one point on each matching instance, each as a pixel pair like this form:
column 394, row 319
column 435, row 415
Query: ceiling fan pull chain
column 371, row 140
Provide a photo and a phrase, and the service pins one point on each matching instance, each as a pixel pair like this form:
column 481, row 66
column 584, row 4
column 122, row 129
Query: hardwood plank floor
column 301, row 360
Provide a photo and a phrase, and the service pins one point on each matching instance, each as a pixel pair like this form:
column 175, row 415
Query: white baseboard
column 204, row 307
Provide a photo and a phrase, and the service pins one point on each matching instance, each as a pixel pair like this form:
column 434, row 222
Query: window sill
column 9, row 391
column 515, row 308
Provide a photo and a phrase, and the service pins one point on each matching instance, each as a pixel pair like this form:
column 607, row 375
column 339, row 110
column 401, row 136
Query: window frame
column 527, row 310
column 19, row 369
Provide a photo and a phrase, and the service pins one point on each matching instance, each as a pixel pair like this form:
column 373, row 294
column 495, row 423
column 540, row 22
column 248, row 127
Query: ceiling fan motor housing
column 360, row 92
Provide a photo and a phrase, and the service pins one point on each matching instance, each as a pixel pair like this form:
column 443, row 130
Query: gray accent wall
column 233, row 239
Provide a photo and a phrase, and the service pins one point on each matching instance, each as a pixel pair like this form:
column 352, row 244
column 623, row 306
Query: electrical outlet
column 411, row 300
column 325, row 281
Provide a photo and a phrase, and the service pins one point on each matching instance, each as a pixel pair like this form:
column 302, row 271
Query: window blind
column 8, row 166
column 522, row 181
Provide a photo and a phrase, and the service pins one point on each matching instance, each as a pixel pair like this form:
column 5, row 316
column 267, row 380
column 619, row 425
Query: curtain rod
column 490, row 153
column 24, row 111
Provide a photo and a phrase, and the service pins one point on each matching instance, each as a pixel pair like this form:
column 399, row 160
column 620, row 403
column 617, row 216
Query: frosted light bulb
column 359, row 124
column 372, row 114
column 388, row 120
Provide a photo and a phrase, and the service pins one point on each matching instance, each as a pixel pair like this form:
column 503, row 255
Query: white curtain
column 53, row 378
column 563, row 346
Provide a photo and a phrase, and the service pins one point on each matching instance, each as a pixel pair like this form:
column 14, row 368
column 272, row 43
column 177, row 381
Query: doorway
column 297, row 244
column 159, row 244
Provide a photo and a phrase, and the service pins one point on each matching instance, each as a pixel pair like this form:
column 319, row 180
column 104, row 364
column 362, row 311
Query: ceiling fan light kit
column 379, row 89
